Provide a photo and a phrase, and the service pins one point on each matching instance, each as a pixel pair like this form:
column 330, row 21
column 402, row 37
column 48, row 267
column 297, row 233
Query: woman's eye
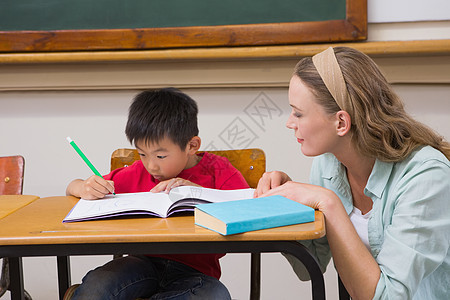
column 297, row 115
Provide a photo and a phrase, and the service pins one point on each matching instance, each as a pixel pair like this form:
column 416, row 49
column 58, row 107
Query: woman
column 381, row 179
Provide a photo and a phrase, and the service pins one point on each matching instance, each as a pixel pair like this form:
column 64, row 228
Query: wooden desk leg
column 16, row 278
column 311, row 264
column 255, row 277
column 343, row 294
column 63, row 275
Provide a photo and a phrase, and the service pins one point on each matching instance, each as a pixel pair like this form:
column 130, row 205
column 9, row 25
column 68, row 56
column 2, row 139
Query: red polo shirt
column 211, row 172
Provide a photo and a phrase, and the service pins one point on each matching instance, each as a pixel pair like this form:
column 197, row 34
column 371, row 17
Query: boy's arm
column 72, row 188
column 95, row 187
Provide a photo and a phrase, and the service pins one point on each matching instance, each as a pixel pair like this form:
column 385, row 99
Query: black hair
column 164, row 113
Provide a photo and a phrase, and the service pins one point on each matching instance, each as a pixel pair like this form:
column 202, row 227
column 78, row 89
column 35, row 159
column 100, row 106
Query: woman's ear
column 344, row 122
column 194, row 144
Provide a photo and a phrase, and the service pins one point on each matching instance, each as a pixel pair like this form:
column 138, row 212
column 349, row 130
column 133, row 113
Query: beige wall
column 41, row 104
column 35, row 125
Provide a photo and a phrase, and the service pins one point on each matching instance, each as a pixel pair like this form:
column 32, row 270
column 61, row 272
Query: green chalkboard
column 62, row 25
column 121, row 14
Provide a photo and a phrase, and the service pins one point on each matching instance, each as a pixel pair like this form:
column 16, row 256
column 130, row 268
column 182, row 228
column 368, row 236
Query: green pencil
column 86, row 160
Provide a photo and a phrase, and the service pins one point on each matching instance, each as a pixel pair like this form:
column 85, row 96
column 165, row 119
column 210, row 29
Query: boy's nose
column 152, row 166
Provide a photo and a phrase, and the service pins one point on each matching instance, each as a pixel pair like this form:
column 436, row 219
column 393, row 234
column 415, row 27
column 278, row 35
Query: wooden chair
column 11, row 175
column 250, row 162
column 11, row 183
column 252, row 165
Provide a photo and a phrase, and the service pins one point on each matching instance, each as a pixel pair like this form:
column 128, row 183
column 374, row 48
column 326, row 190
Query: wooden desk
column 11, row 203
column 37, row 230
column 8, row 205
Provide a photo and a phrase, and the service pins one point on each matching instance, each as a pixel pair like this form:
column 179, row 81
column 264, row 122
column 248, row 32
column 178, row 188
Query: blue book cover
column 252, row 214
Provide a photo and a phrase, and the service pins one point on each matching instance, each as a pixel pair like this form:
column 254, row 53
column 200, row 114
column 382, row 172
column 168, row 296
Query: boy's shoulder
column 212, row 161
column 210, row 157
column 220, row 170
column 212, row 164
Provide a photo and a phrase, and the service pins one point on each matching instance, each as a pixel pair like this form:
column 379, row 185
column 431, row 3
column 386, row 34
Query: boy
column 162, row 124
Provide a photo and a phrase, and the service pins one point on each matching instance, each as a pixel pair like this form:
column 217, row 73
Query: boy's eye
column 161, row 156
column 141, row 154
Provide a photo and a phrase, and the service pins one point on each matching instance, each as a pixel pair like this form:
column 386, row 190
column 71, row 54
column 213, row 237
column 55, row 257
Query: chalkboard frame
column 352, row 28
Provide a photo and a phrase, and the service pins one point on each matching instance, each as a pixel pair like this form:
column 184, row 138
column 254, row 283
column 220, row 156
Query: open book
column 183, row 198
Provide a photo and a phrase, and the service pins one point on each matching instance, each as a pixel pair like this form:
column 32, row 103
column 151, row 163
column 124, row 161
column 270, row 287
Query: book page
column 155, row 203
column 193, row 195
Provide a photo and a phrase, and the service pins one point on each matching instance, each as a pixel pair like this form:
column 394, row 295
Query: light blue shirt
column 409, row 228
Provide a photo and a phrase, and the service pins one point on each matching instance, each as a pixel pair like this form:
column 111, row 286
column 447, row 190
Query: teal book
column 238, row 216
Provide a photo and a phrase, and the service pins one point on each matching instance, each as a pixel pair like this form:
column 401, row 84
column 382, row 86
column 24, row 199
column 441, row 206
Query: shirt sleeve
column 416, row 238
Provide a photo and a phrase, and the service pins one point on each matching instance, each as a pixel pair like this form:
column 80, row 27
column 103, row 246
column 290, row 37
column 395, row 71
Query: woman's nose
column 290, row 123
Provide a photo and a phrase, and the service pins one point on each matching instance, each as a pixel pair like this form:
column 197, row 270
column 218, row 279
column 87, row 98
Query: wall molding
column 377, row 48
column 402, row 62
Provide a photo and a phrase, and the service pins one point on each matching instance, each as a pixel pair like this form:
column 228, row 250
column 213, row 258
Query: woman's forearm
column 356, row 266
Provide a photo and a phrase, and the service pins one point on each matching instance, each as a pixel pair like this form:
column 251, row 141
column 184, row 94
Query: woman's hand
column 169, row 184
column 95, row 187
column 313, row 196
column 270, row 180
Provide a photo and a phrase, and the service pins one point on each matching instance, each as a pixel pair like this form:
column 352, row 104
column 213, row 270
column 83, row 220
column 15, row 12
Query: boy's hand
column 95, row 187
column 167, row 185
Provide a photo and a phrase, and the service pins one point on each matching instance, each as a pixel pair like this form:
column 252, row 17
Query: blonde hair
column 380, row 126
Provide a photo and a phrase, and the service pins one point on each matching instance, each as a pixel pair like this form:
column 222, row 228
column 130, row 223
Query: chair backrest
column 11, row 175
column 250, row 162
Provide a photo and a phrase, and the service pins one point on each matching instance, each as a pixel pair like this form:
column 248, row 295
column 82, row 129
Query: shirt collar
column 335, row 168
column 378, row 178
column 375, row 185
column 336, row 175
